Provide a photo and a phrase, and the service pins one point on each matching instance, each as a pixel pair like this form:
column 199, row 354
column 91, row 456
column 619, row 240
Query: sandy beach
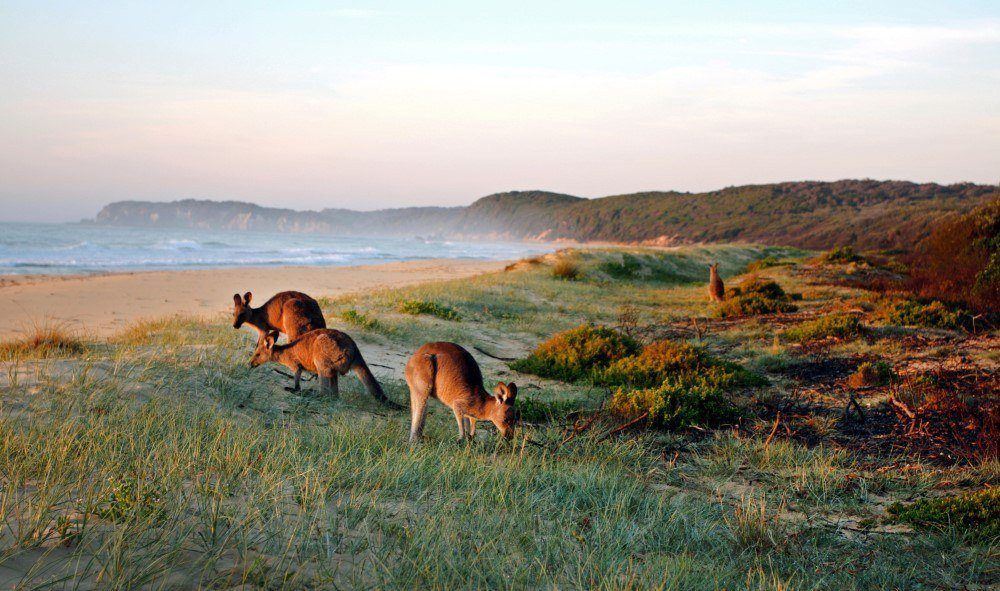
column 99, row 305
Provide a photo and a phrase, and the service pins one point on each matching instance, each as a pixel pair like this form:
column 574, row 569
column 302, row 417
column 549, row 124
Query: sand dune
column 103, row 304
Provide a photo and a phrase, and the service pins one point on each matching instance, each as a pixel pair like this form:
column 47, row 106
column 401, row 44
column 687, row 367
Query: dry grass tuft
column 566, row 269
column 43, row 340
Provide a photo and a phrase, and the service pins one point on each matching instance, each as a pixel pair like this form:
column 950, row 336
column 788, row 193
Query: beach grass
column 159, row 459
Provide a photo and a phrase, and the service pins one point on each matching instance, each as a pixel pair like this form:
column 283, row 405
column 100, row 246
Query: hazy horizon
column 369, row 106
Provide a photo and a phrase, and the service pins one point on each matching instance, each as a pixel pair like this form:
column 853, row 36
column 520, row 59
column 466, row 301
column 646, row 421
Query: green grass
column 161, row 459
column 418, row 307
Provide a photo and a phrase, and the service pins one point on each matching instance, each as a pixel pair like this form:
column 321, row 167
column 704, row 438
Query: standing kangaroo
column 449, row 373
column 291, row 312
column 326, row 352
column 716, row 290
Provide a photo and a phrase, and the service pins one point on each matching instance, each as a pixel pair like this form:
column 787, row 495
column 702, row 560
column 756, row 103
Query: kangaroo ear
column 505, row 393
column 247, row 297
column 237, row 299
column 270, row 339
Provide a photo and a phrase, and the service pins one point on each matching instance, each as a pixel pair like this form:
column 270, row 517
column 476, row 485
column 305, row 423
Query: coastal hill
column 865, row 214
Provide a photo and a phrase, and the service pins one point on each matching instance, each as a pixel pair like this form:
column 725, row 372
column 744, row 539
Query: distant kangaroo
column 716, row 290
column 449, row 373
column 326, row 352
column 291, row 312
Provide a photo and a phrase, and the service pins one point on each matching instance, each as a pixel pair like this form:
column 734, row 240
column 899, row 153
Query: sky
column 387, row 104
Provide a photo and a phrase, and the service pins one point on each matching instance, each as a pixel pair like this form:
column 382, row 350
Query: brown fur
column 326, row 352
column 291, row 312
column 449, row 373
column 716, row 289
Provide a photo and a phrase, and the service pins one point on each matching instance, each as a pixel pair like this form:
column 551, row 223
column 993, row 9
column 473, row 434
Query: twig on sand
column 627, row 425
column 476, row 347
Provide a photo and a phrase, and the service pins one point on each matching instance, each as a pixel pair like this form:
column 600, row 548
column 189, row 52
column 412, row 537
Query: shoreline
column 98, row 305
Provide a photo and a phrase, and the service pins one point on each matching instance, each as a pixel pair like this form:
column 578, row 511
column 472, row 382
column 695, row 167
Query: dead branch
column 774, row 429
column 577, row 430
column 906, row 410
column 627, row 425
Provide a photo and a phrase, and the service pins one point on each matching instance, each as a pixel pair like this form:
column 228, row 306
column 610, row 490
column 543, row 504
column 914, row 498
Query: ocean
column 27, row 249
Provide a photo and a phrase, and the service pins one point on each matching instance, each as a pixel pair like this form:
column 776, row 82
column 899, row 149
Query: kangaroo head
column 714, row 267
column 504, row 415
column 265, row 349
column 241, row 309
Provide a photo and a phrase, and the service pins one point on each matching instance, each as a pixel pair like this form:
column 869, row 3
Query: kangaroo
column 326, row 352
column 716, row 290
column 449, row 373
column 291, row 312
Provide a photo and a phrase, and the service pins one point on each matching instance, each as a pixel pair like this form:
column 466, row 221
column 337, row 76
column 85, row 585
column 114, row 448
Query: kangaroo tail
column 371, row 384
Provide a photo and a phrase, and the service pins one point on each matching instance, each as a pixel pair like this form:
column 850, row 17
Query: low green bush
column 878, row 373
column 674, row 384
column 676, row 403
column 841, row 326
column 842, row 255
column 909, row 312
column 417, row 307
column 665, row 360
column 573, row 355
column 975, row 513
column 753, row 297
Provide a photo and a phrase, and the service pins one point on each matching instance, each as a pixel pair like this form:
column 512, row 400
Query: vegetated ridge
column 866, row 214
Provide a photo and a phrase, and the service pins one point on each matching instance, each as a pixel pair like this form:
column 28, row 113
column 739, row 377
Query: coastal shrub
column 676, row 403
column 975, row 513
column 842, row 255
column 840, row 326
column 753, row 297
column 910, row 312
column 871, row 374
column 417, row 307
column 959, row 262
column 566, row 269
column 360, row 319
column 573, row 354
column 44, row 340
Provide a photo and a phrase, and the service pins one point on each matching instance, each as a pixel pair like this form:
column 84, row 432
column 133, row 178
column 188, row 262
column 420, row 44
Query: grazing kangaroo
column 716, row 290
column 291, row 312
column 326, row 352
column 448, row 372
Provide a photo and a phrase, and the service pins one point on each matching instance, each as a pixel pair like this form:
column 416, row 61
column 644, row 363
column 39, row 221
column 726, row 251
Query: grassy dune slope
column 159, row 459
